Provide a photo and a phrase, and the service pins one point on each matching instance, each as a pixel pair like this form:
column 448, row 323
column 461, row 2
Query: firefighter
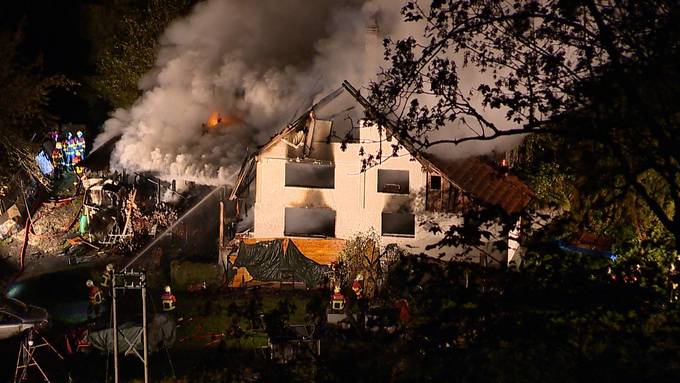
column 80, row 144
column 69, row 150
column 337, row 300
column 358, row 285
column 57, row 159
column 95, row 300
column 404, row 313
column 76, row 159
column 106, row 276
column 168, row 300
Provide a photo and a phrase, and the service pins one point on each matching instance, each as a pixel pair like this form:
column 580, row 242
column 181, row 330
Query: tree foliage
column 565, row 176
column 561, row 317
column 361, row 255
column 593, row 72
column 24, row 103
column 126, row 50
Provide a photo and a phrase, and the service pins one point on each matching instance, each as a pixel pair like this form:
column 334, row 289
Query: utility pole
column 130, row 280
column 221, row 224
column 115, row 326
column 221, row 250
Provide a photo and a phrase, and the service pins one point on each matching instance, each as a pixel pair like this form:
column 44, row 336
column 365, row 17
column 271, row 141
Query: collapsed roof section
column 473, row 175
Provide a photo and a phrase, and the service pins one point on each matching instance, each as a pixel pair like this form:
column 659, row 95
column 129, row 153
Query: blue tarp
column 44, row 163
column 575, row 249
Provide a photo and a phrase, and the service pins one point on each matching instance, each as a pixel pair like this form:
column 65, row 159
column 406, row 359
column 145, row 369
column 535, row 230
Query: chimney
column 368, row 132
column 372, row 45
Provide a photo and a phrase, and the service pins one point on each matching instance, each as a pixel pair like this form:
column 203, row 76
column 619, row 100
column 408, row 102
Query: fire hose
column 29, row 228
column 22, row 253
column 27, row 232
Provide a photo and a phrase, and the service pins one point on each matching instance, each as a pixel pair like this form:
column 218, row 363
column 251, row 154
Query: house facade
column 309, row 183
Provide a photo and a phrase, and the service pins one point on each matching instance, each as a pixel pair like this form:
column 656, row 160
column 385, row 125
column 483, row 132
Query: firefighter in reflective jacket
column 57, row 155
column 57, row 159
column 168, row 300
column 358, row 285
column 95, row 300
column 69, row 150
column 337, row 300
column 80, row 144
column 106, row 276
column 76, row 159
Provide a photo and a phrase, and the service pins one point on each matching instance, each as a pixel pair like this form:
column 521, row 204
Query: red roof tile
column 485, row 183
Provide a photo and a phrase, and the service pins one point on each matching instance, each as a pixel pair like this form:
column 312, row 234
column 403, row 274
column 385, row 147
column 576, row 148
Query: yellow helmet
column 167, row 289
column 58, row 146
column 109, row 267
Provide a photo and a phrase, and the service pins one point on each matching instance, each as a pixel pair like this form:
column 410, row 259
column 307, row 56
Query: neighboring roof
column 474, row 176
column 593, row 241
column 486, row 183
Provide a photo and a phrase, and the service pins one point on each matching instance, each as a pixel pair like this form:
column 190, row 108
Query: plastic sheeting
column 161, row 332
column 44, row 163
column 266, row 260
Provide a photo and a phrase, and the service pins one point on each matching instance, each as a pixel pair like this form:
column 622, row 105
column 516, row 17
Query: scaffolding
column 30, row 344
column 130, row 280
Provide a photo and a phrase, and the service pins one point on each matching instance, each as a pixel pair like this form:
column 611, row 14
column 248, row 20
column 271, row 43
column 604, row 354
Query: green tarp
column 266, row 260
column 161, row 331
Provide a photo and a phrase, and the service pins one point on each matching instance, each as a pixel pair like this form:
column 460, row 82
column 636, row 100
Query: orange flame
column 214, row 119
column 217, row 119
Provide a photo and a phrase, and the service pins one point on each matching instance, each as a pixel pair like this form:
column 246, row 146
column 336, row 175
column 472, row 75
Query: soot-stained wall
column 309, row 222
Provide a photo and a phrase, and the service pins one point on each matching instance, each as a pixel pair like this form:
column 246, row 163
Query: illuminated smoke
column 258, row 64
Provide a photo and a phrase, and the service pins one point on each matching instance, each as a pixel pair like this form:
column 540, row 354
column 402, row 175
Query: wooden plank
column 242, row 276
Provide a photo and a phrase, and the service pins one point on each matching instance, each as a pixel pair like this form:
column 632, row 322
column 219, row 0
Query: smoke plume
column 258, row 64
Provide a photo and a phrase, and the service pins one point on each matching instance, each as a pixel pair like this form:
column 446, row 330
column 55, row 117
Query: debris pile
column 152, row 222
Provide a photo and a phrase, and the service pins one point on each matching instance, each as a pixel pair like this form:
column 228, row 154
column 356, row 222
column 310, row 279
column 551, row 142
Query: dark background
column 54, row 32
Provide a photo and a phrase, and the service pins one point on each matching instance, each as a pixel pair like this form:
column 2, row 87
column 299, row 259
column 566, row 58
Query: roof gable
column 472, row 175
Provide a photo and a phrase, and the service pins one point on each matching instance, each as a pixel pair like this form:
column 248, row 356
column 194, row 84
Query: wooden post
column 144, row 336
column 221, row 250
column 221, row 225
column 115, row 326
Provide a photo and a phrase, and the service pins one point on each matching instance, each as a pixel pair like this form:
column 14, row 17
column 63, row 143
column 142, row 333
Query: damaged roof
column 472, row 175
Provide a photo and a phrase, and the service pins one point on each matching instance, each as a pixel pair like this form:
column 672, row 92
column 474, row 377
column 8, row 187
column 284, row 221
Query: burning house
column 308, row 184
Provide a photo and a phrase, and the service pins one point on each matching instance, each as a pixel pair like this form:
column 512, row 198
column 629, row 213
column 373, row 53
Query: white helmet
column 109, row 267
column 89, row 283
column 167, row 289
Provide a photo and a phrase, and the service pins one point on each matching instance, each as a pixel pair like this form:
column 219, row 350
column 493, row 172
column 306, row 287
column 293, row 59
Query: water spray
column 177, row 222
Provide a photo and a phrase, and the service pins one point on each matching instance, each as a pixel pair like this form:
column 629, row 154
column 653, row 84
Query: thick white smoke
column 257, row 63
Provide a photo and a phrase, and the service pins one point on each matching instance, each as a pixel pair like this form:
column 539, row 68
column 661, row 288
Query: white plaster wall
column 355, row 198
